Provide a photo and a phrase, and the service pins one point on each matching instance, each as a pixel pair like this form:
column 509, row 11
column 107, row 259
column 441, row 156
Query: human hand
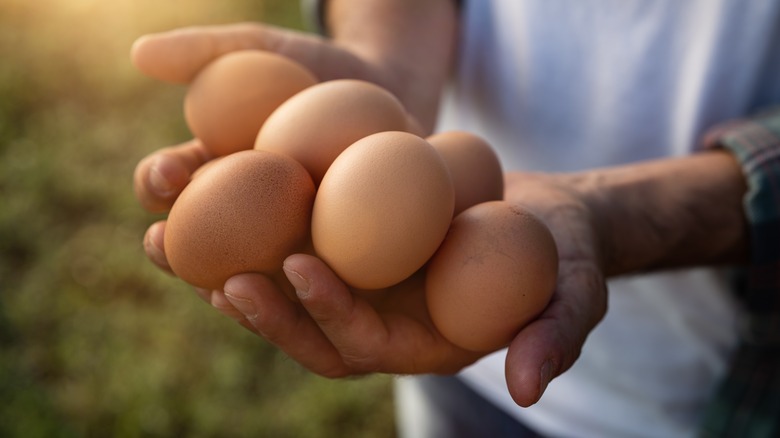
column 337, row 332
column 177, row 56
column 551, row 343
column 311, row 315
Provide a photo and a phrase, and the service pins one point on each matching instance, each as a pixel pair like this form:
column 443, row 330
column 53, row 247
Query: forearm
column 412, row 38
column 669, row 213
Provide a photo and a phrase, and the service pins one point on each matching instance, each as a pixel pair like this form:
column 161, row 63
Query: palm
column 411, row 335
column 335, row 331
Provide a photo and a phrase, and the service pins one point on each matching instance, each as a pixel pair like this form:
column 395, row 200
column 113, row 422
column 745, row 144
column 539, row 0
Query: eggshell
column 474, row 166
column 495, row 271
column 317, row 124
column 244, row 213
column 382, row 209
column 231, row 97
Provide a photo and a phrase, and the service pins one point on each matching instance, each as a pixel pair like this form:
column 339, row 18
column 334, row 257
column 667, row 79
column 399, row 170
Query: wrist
column 408, row 43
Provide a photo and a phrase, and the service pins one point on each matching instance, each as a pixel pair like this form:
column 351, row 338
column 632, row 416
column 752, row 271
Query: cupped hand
column 550, row 344
column 317, row 320
column 337, row 332
column 178, row 55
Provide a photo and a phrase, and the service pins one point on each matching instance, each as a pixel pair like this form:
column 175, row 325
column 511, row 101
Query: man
column 615, row 95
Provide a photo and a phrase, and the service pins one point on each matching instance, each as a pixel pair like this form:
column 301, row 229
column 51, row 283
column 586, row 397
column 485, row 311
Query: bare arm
column 670, row 213
column 414, row 38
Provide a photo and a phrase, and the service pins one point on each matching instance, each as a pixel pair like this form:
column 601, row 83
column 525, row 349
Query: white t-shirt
column 559, row 85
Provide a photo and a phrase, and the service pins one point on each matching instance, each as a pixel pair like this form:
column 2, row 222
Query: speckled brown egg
column 382, row 209
column 231, row 97
column 317, row 124
column 474, row 166
column 495, row 272
column 245, row 213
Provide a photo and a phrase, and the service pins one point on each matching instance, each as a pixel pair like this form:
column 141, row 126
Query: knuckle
column 361, row 361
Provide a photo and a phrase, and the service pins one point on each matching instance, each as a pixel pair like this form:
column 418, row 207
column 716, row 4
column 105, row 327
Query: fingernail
column 204, row 294
column 545, row 375
column 160, row 184
column 299, row 283
column 154, row 252
column 243, row 305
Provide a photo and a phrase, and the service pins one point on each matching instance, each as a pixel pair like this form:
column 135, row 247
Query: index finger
column 177, row 55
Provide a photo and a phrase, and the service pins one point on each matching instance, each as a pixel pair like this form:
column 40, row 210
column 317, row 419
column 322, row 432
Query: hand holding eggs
column 338, row 167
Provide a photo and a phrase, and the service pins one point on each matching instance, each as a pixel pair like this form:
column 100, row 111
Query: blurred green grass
column 94, row 341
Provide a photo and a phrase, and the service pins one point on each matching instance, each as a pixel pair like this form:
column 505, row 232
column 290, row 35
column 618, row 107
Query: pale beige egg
column 317, row 124
column 494, row 273
column 231, row 98
column 245, row 212
column 474, row 166
column 382, row 209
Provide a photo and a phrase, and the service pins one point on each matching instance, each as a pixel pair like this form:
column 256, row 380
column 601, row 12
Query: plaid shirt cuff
column 756, row 145
column 747, row 403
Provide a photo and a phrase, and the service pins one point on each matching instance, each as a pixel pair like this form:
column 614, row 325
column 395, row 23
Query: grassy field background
column 94, row 341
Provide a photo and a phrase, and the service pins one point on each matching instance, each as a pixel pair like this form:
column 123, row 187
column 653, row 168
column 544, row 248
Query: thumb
column 539, row 353
column 552, row 343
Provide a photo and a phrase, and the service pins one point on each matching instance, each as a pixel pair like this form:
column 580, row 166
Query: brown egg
column 196, row 173
column 230, row 98
column 382, row 209
column 317, row 124
column 474, row 166
column 244, row 213
column 495, row 271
